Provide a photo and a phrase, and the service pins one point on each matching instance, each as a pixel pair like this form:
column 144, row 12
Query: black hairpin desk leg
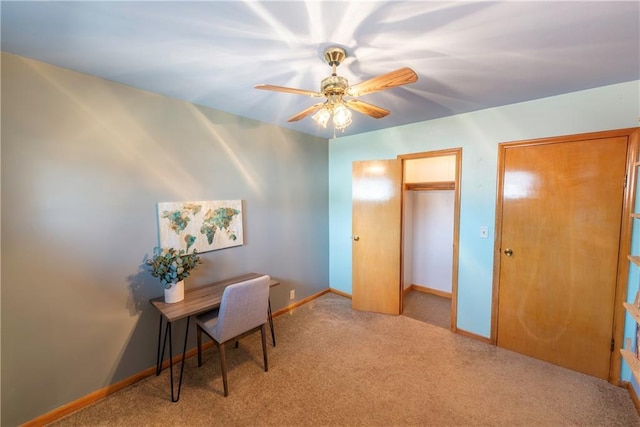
column 175, row 396
column 273, row 334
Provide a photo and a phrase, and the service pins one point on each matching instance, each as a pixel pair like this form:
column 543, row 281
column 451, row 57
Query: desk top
column 200, row 299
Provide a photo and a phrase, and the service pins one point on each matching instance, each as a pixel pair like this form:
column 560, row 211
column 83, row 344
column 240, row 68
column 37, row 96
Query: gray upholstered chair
column 243, row 310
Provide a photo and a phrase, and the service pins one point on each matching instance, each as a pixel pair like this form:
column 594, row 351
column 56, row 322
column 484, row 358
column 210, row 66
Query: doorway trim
column 457, row 152
column 622, row 279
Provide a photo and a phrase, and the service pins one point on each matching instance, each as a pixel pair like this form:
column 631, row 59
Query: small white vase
column 175, row 293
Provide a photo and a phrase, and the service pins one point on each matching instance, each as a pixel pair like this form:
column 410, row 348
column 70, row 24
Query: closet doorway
column 430, row 228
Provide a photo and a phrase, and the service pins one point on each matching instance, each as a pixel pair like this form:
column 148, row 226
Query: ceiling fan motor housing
column 334, row 85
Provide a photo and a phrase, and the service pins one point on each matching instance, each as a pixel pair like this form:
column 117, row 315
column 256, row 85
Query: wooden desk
column 196, row 301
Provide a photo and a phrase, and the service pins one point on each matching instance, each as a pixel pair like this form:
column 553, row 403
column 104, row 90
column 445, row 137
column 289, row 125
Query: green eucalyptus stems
column 172, row 266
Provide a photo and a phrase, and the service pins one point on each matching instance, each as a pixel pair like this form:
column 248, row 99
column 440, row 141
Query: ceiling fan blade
column 304, row 113
column 288, row 90
column 366, row 108
column 395, row 78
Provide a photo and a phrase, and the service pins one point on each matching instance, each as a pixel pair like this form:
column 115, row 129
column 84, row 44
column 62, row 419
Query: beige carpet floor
column 336, row 367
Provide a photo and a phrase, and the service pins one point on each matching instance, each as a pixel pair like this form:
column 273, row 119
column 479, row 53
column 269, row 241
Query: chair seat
column 208, row 320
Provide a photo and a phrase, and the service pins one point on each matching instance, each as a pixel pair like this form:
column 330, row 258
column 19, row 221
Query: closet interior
column 428, row 238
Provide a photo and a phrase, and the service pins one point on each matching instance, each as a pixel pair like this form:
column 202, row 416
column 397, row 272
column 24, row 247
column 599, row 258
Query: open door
column 376, row 236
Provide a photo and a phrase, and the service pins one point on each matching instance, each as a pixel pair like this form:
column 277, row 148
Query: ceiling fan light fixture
column 335, row 87
column 322, row 117
column 341, row 116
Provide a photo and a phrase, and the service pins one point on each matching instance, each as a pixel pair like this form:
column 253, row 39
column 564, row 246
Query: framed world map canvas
column 204, row 226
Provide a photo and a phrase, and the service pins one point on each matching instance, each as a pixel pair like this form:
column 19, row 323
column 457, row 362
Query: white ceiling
column 468, row 55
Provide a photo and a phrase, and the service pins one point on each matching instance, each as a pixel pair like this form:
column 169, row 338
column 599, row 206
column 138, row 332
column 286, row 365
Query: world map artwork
column 203, row 226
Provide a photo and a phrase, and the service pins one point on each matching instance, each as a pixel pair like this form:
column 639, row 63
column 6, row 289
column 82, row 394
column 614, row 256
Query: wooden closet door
column 376, row 228
column 560, row 234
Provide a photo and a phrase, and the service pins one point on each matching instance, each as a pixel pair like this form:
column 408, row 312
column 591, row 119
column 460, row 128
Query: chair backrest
column 243, row 307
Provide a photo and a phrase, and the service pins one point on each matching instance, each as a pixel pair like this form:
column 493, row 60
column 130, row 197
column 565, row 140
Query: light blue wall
column 478, row 133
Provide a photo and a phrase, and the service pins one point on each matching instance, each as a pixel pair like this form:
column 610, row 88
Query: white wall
column 432, row 254
column 407, row 240
column 430, row 169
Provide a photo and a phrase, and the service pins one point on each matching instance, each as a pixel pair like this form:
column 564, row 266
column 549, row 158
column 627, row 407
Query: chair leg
column 199, row 337
column 264, row 347
column 223, row 365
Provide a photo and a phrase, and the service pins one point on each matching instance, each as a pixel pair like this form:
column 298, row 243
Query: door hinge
column 625, row 182
column 613, row 343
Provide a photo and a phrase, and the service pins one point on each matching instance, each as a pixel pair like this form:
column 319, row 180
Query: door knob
column 508, row 252
column 356, row 238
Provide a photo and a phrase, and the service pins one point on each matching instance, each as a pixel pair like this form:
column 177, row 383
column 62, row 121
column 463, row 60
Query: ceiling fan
column 335, row 88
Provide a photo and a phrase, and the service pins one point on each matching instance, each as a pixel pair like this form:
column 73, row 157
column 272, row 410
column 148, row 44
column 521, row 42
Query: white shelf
column 628, row 355
column 633, row 363
column 634, row 259
column 633, row 310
